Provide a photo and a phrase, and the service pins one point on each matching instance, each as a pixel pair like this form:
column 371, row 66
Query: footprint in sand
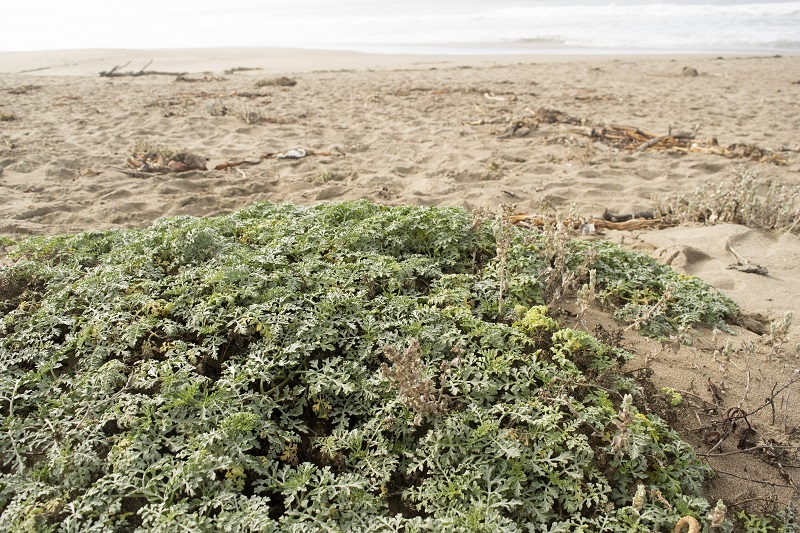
column 681, row 256
column 331, row 192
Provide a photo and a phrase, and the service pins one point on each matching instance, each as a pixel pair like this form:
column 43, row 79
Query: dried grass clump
column 23, row 89
column 7, row 117
column 416, row 389
column 147, row 156
column 281, row 81
column 248, row 114
column 745, row 200
column 218, row 109
column 322, row 176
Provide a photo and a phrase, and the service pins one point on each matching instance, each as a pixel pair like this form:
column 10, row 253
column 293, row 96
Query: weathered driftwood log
column 743, row 265
column 116, row 73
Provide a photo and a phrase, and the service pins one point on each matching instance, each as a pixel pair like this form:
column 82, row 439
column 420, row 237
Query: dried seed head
column 416, row 390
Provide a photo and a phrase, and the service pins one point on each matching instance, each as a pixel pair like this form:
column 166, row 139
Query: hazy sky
column 49, row 24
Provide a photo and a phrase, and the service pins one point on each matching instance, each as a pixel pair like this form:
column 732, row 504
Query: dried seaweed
column 153, row 158
column 633, row 138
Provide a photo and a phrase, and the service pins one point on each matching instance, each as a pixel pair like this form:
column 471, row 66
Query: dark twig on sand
column 116, row 73
column 241, row 69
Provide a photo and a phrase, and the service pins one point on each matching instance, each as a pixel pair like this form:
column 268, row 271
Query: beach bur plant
column 336, row 367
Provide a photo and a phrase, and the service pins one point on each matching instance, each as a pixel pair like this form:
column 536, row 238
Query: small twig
column 740, row 503
column 791, row 228
column 746, row 390
column 732, row 415
column 786, row 407
column 771, row 399
column 118, row 67
column 719, row 442
column 600, row 387
column 735, row 452
column 714, row 390
column 686, row 392
column 91, row 408
column 685, row 134
column 636, row 324
column 652, row 142
column 738, row 257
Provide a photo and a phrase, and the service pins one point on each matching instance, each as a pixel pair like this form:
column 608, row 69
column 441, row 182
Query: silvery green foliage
column 225, row 374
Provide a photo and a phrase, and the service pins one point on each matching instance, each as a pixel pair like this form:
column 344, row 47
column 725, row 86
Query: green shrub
column 343, row 366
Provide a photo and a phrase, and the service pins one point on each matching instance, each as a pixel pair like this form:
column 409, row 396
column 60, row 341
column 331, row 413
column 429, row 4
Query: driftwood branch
column 232, row 164
column 652, row 142
column 743, row 265
column 241, row 69
column 117, row 73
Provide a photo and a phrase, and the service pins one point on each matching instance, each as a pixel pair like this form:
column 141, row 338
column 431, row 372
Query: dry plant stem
column 20, row 462
column 559, row 278
column 771, row 401
column 636, row 324
column 739, row 258
column 746, row 390
column 247, row 114
column 778, row 335
column 786, row 407
column 660, row 497
column 717, row 445
column 715, row 393
column 503, row 238
column 415, row 389
column 747, row 450
column 792, row 227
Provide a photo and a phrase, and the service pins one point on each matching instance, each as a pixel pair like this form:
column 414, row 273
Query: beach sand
column 428, row 130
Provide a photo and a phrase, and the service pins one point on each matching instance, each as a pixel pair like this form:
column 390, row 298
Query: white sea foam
column 497, row 26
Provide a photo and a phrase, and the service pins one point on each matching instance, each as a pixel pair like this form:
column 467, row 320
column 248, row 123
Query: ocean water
column 415, row 26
